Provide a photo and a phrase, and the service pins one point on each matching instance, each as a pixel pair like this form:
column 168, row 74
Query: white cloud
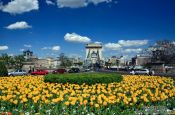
column 73, row 55
column 132, row 42
column 76, row 38
column 18, row 25
column 71, row 3
column 99, row 1
column 46, row 48
column 174, row 42
column 4, row 47
column 53, row 54
column 103, row 49
column 53, row 48
column 21, row 50
column 49, row 2
column 97, row 42
column 20, row 6
column 133, row 50
column 56, row 48
column 78, row 3
column 11, row 54
column 27, row 45
column 113, row 46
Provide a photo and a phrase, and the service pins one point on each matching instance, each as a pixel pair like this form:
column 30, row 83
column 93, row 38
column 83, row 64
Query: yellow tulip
column 97, row 105
column 15, row 102
column 66, row 103
column 91, row 103
column 105, row 103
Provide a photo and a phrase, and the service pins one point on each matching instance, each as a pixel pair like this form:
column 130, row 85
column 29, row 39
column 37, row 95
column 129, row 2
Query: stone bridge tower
column 93, row 53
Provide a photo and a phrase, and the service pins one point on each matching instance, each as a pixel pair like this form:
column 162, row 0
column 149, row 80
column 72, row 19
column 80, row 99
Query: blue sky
column 50, row 27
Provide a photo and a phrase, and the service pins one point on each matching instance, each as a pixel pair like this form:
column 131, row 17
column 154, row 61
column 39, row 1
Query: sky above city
column 51, row 27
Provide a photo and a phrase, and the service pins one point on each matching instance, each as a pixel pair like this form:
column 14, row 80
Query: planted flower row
column 32, row 95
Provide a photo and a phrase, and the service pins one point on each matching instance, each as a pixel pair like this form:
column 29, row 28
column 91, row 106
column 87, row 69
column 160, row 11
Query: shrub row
column 80, row 78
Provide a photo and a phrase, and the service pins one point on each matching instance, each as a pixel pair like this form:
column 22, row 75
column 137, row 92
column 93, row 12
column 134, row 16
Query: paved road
column 126, row 72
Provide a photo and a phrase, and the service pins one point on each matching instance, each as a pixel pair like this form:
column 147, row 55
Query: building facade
column 33, row 63
column 28, row 54
column 141, row 60
column 117, row 61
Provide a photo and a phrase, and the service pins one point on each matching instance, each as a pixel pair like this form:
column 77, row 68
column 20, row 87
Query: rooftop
column 94, row 45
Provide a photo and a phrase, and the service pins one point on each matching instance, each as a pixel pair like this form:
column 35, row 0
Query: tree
column 163, row 51
column 3, row 70
column 12, row 62
column 8, row 60
column 18, row 61
column 65, row 62
column 80, row 63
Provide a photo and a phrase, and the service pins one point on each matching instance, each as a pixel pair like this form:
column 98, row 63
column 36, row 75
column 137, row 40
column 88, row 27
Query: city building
column 30, row 60
column 118, row 62
column 56, row 63
column 28, row 54
column 141, row 60
column 76, row 61
column 47, row 63
column 33, row 63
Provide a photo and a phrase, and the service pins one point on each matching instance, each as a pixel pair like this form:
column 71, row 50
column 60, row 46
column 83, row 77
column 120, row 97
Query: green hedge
column 80, row 78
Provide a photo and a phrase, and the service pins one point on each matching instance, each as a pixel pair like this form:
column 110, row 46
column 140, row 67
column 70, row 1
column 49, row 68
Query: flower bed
column 31, row 95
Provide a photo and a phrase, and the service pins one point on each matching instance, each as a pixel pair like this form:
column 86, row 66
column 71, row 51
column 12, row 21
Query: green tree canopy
column 65, row 62
column 3, row 69
column 8, row 60
column 163, row 51
column 19, row 60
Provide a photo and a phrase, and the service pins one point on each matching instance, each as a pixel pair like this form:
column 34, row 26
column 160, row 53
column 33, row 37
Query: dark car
column 74, row 70
column 59, row 71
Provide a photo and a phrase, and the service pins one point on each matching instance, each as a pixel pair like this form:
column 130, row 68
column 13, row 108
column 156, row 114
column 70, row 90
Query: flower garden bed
column 31, row 95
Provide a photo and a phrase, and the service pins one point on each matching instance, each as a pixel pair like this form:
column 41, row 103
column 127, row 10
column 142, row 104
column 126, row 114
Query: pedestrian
column 152, row 72
column 166, row 70
column 29, row 71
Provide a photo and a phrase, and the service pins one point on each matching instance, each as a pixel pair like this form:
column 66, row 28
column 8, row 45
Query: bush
column 80, row 78
column 3, row 70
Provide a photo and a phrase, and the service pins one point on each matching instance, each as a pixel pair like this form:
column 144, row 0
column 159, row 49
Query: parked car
column 87, row 70
column 140, row 71
column 39, row 72
column 74, row 70
column 59, row 71
column 17, row 72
